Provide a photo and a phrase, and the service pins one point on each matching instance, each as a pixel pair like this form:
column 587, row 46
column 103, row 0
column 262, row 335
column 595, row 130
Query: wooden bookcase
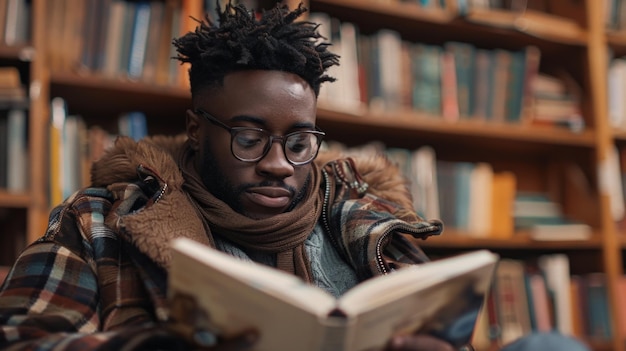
column 576, row 41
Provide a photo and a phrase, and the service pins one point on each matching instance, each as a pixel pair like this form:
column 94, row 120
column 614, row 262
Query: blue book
column 515, row 88
column 138, row 125
column 482, row 84
column 139, row 39
column 598, row 307
column 426, row 71
column 127, row 30
column 463, row 175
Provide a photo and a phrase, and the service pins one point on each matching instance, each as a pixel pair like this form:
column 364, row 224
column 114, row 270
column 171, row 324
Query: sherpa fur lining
column 385, row 179
column 120, row 162
column 158, row 153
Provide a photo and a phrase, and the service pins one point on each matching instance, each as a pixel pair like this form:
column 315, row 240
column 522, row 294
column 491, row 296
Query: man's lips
column 270, row 196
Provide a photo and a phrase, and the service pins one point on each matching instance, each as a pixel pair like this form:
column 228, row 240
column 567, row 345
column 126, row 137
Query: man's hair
column 241, row 41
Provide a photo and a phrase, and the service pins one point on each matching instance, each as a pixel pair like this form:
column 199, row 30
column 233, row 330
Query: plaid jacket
column 87, row 285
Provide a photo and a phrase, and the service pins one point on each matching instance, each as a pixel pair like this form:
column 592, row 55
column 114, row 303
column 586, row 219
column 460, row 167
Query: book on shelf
column 387, row 67
column 556, row 268
column 426, row 74
column 133, row 124
column 480, row 197
column 545, row 220
column 591, row 311
column 464, row 64
column 483, row 85
column 598, row 310
column 449, row 93
column 580, row 318
column 540, row 301
column 58, row 115
column 423, row 172
column 616, row 77
column 17, row 22
column 165, row 65
column 3, row 17
column 560, row 229
column 503, row 189
column 441, row 297
column 511, row 300
column 139, row 39
column 501, row 80
column 155, row 31
column 532, row 59
column 113, row 43
column 17, row 150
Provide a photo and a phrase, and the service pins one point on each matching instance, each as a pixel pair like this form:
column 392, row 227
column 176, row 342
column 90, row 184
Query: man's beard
column 218, row 185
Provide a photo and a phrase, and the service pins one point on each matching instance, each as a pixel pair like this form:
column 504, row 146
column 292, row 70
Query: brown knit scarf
column 282, row 235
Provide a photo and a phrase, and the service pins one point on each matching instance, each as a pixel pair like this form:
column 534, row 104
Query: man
column 242, row 180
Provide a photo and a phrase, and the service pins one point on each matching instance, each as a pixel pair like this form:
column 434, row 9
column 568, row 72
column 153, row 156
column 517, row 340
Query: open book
column 442, row 298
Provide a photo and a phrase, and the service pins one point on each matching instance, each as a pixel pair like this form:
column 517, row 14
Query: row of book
column 74, row 146
column 544, row 295
column 130, row 39
column 475, row 199
column 123, row 38
column 383, row 72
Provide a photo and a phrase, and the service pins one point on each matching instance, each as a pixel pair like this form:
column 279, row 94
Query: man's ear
column 192, row 127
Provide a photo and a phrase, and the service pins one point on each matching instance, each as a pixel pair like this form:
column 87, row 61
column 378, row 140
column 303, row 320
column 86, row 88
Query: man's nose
column 275, row 163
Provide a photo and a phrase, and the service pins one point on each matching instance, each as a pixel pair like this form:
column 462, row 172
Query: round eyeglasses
column 252, row 144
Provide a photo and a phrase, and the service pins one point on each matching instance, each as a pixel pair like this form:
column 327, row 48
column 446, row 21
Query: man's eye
column 249, row 139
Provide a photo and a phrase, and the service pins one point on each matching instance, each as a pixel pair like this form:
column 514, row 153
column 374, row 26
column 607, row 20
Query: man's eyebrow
column 263, row 123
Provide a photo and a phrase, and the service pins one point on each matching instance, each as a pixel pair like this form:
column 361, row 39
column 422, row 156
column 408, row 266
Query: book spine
column 464, row 57
column 139, row 40
column 17, row 160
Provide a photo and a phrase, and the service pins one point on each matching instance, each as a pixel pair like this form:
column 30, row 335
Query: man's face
column 277, row 102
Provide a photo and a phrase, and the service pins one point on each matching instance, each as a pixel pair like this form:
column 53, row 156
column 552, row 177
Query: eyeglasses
column 252, row 144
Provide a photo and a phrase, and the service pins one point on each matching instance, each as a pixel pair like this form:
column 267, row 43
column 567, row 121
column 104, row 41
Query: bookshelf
column 570, row 38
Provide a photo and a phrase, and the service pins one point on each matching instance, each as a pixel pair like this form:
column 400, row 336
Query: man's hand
column 244, row 341
column 418, row 343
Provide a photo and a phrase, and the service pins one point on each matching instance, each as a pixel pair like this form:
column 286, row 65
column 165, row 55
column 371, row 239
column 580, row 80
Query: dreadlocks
column 241, row 41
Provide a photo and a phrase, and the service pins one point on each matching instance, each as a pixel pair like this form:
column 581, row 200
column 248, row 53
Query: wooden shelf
column 406, row 11
column 484, row 28
column 456, row 240
column 100, row 82
column 161, row 104
column 14, row 200
column 413, row 125
column 17, row 52
column 538, row 24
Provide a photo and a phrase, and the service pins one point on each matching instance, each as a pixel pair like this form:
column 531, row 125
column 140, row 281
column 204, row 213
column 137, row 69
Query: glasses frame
column 282, row 138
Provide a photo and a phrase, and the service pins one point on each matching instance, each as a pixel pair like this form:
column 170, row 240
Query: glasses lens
column 301, row 147
column 249, row 144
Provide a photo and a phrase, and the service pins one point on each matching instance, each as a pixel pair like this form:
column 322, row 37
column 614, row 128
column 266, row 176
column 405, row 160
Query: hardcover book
column 442, row 298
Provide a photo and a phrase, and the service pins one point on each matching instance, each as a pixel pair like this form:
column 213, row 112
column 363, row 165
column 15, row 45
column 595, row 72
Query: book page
column 441, row 297
column 235, row 295
column 264, row 278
